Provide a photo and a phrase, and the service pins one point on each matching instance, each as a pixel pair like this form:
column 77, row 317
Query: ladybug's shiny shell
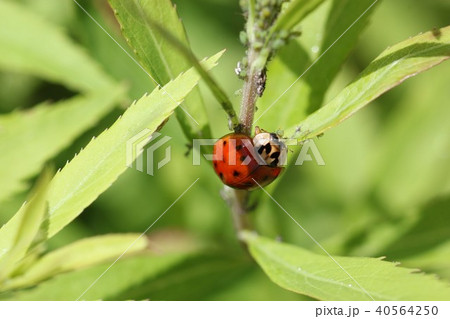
column 240, row 165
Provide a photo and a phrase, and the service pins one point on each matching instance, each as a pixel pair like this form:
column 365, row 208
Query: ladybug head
column 270, row 147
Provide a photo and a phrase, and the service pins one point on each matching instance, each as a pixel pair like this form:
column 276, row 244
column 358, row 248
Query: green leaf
column 281, row 107
column 302, row 71
column 30, row 44
column 80, row 254
column 30, row 138
column 388, row 70
column 435, row 260
column 158, row 56
column 294, row 13
column 96, row 167
column 18, row 234
column 154, row 277
column 308, row 65
column 318, row 276
column 345, row 22
column 125, row 274
column 283, row 29
column 430, row 229
column 254, row 285
column 415, row 124
column 216, row 90
column 203, row 274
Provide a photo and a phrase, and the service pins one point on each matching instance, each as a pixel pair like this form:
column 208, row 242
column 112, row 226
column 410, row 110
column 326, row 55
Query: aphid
column 246, row 163
column 261, row 82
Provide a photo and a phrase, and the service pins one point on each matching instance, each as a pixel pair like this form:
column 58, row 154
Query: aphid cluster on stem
column 247, row 163
column 264, row 39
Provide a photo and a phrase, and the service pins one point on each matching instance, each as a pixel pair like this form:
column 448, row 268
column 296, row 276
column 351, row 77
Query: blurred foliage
column 384, row 191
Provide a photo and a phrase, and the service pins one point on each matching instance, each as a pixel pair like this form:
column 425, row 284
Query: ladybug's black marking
column 248, row 184
column 238, row 147
column 236, row 173
column 221, row 176
column 265, row 178
column 215, row 164
column 242, row 158
column 274, row 163
column 275, row 155
column 224, row 143
column 260, row 150
column 274, row 136
column 268, row 148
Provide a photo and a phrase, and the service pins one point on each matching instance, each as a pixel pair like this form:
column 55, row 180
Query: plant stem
column 240, row 213
column 238, row 199
column 249, row 95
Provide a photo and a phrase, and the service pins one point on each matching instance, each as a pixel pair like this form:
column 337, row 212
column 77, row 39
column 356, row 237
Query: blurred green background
column 388, row 166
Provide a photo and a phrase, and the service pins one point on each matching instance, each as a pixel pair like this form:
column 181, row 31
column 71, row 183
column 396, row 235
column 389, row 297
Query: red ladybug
column 242, row 162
